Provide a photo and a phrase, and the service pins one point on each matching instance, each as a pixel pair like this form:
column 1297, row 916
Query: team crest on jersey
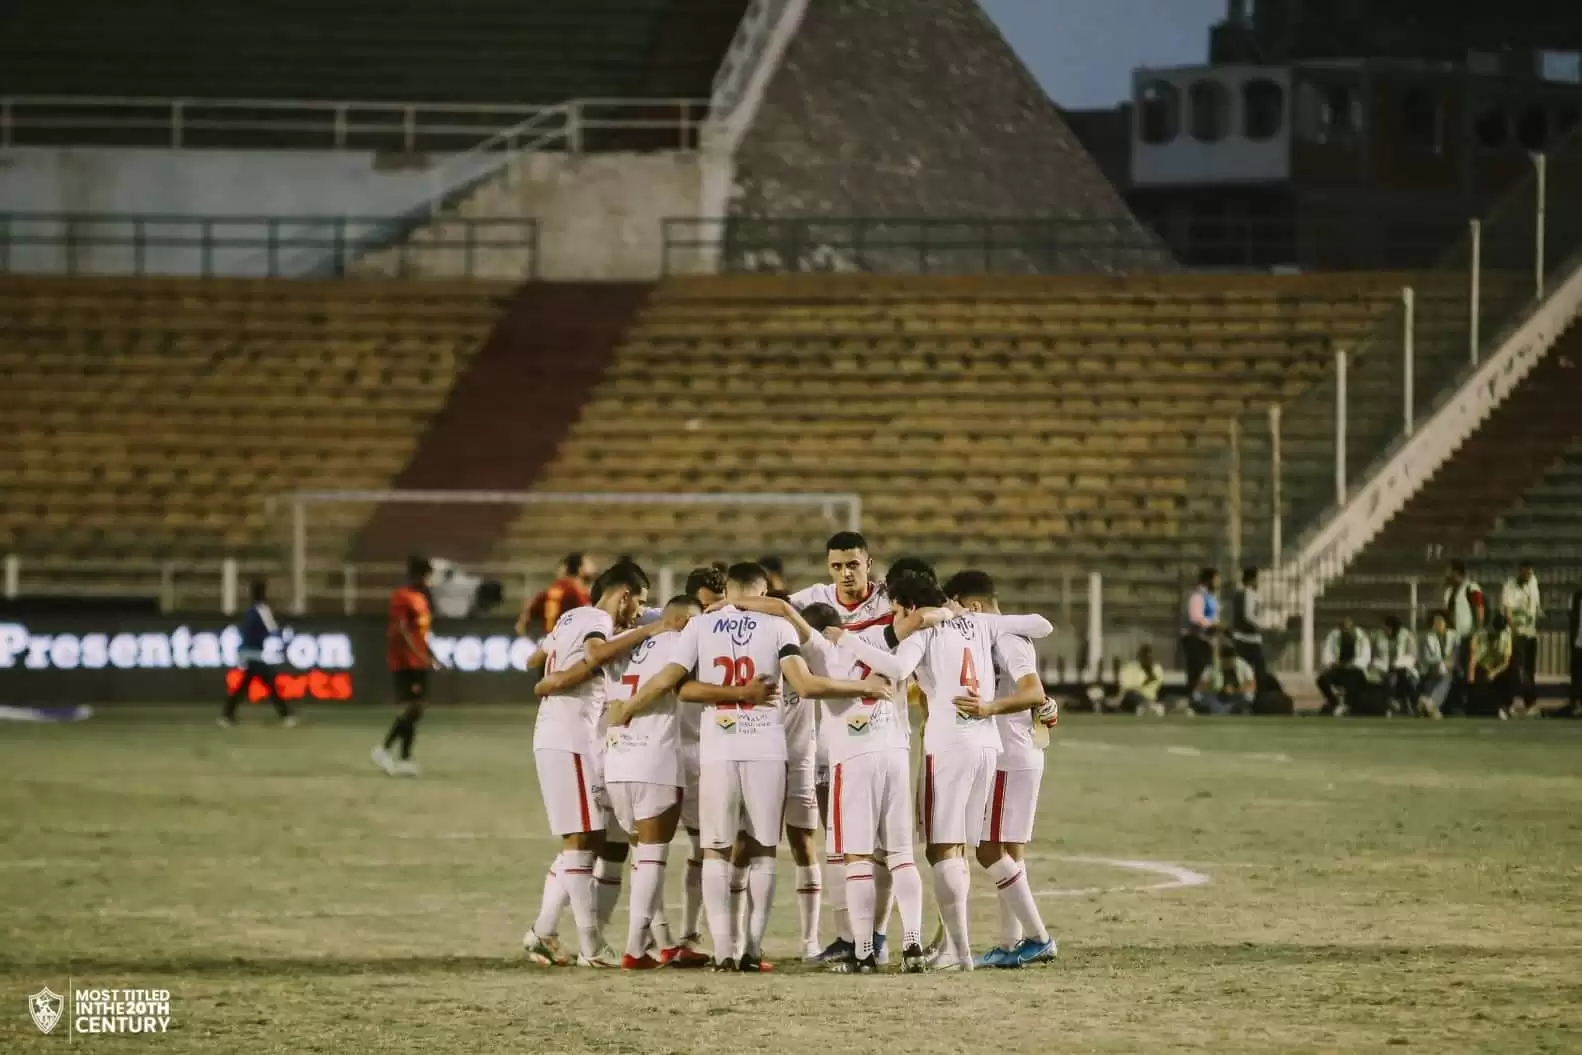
column 739, row 626
column 726, row 721
column 857, row 724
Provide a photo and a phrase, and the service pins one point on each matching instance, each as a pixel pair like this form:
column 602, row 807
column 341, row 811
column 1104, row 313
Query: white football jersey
column 858, row 727
column 566, row 721
column 953, row 659
column 1014, row 659
column 873, row 610
column 648, row 748
column 732, row 647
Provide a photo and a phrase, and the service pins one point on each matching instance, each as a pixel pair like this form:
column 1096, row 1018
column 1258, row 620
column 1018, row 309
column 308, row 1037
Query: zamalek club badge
column 45, row 1006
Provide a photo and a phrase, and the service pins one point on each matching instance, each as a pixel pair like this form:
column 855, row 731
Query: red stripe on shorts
column 834, row 808
column 582, row 794
column 997, row 813
column 928, row 798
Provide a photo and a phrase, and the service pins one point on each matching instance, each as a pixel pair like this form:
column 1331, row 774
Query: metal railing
column 258, row 246
column 1037, row 245
column 409, row 127
column 908, row 246
column 1298, row 462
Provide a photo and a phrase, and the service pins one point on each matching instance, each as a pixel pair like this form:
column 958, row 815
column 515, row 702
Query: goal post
column 838, row 509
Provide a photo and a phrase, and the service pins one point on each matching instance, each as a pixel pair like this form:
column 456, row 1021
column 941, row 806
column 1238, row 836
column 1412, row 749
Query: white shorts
column 801, row 798
column 738, row 797
column 565, row 781
column 956, row 795
column 1012, row 804
column 689, row 787
column 870, row 804
column 633, row 801
column 821, row 765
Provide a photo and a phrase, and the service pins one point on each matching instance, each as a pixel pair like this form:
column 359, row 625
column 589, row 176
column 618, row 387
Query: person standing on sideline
column 1436, row 664
column 570, row 590
column 1521, row 604
column 1202, row 624
column 1574, row 635
column 258, row 626
column 1246, row 623
column 1395, row 658
column 1465, row 605
column 407, row 651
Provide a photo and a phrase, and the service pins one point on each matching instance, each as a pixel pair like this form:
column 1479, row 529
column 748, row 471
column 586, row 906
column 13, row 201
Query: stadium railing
column 1294, row 466
column 410, row 127
column 243, row 246
column 1031, row 245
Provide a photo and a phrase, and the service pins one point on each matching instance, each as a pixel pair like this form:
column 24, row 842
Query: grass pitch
column 1369, row 886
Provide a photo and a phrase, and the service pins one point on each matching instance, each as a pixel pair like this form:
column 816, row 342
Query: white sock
column 739, row 898
column 761, row 889
column 692, row 888
column 716, row 883
column 1011, row 882
column 547, row 925
column 808, row 894
column 835, row 888
column 860, row 904
column 952, row 886
column 908, row 884
column 576, row 875
column 648, row 885
column 607, row 888
column 882, row 902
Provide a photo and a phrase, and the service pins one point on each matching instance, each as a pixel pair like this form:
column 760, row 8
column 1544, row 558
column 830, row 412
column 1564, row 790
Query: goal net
column 345, row 550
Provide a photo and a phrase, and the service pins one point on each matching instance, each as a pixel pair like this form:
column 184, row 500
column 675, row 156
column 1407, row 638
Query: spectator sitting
column 1492, row 690
column 1140, row 682
column 1437, row 664
column 1395, row 662
column 1346, row 657
column 1227, row 686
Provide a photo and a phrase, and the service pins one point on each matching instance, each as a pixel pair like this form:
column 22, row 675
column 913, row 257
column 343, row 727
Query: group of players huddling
column 732, row 714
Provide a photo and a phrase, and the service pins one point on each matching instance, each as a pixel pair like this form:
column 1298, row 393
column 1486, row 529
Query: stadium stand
column 152, row 418
column 484, row 51
column 1510, row 493
column 1034, row 425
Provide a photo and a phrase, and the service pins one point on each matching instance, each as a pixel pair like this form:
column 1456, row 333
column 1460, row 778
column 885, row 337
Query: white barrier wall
column 202, row 182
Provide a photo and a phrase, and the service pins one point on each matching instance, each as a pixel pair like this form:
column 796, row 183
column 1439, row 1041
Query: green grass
column 1373, row 885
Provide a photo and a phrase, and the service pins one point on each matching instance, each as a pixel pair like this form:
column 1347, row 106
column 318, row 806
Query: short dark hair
column 1439, row 613
column 1206, row 575
column 747, row 573
column 573, row 562
column 711, row 578
column 821, row 616
column 1249, row 576
column 623, row 573
column 913, row 589
column 1459, row 567
column 417, row 566
column 259, row 590
column 684, row 600
column 970, row 583
column 1392, row 622
column 772, row 564
column 1227, row 652
column 1525, row 562
column 779, row 595
column 846, row 540
column 908, row 566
